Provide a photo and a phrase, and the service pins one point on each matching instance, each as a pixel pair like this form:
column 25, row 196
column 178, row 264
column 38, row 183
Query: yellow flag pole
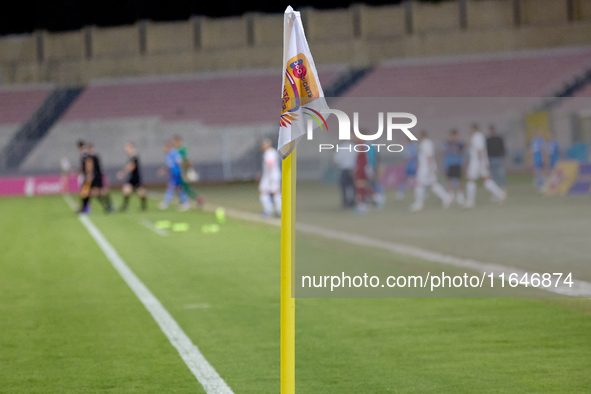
column 288, row 186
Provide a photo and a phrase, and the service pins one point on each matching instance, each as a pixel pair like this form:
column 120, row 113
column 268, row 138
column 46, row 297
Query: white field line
column 151, row 226
column 71, row 203
column 203, row 371
column 579, row 288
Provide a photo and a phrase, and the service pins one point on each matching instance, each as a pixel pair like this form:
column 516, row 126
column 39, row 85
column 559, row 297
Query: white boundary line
column 71, row 203
column 203, row 371
column 579, row 288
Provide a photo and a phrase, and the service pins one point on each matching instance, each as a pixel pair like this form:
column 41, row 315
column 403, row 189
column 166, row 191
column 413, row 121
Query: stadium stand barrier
column 360, row 35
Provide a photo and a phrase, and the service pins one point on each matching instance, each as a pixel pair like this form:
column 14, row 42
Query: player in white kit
column 270, row 184
column 478, row 168
column 427, row 175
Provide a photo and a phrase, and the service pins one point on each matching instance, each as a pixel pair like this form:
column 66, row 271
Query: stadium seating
column 203, row 108
column 530, row 74
column 499, row 86
column 6, row 133
column 16, row 105
column 206, row 108
column 239, row 98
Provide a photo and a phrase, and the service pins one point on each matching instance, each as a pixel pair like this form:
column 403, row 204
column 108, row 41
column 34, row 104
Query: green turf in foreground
column 70, row 324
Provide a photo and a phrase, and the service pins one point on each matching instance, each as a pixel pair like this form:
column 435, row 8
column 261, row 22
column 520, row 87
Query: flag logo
column 299, row 70
column 300, row 87
column 318, row 115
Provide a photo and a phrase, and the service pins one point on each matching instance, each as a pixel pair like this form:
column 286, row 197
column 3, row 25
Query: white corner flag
column 302, row 94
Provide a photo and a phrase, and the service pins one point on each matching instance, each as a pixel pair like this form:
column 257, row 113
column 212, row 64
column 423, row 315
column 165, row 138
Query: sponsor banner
column 569, row 177
column 582, row 185
column 562, row 178
column 38, row 185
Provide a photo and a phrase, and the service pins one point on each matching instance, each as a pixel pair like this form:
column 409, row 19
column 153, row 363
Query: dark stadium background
column 62, row 15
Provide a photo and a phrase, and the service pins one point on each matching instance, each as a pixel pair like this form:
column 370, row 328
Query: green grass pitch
column 69, row 324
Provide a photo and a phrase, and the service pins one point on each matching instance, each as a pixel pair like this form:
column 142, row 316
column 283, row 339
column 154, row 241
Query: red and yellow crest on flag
column 299, row 88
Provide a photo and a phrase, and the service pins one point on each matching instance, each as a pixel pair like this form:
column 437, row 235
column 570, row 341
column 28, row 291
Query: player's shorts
column 454, row 172
column 97, row 181
column 411, row 171
column 135, row 182
column 175, row 181
column 269, row 186
column 476, row 171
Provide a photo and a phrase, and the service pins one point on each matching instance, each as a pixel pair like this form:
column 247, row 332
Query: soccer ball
column 192, row 175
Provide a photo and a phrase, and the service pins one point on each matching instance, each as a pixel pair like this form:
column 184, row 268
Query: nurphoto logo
column 393, row 123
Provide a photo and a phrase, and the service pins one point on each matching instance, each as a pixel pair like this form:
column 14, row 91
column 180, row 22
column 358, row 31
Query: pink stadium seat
column 520, row 76
column 222, row 100
column 16, row 106
column 585, row 92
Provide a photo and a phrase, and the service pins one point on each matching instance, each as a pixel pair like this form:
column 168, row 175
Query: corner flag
column 301, row 90
column 301, row 94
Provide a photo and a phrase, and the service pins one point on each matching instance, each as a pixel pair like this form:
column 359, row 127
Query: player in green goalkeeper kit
column 188, row 173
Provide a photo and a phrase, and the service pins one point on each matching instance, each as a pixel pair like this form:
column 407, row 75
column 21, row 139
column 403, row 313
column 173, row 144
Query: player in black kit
column 134, row 179
column 85, row 177
column 97, row 188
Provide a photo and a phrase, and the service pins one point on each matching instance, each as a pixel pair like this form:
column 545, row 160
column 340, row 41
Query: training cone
column 163, row 224
column 210, row 228
column 220, row 215
column 180, row 227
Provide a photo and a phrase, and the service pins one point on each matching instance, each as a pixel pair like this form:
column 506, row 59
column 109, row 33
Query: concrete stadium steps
column 17, row 104
column 213, row 100
column 530, row 74
column 6, row 134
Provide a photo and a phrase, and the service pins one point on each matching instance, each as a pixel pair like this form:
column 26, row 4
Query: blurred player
column 65, row 169
column 188, row 172
column 495, row 148
column 87, row 172
column 270, row 184
column 427, row 175
column 84, row 180
column 410, row 169
column 134, row 179
column 478, row 168
column 363, row 175
column 173, row 162
column 538, row 152
column 453, row 150
column 378, row 190
column 345, row 158
column 553, row 148
column 97, row 188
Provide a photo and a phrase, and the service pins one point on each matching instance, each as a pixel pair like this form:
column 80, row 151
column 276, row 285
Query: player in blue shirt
column 553, row 149
column 173, row 162
column 538, row 148
column 453, row 159
column 411, row 155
